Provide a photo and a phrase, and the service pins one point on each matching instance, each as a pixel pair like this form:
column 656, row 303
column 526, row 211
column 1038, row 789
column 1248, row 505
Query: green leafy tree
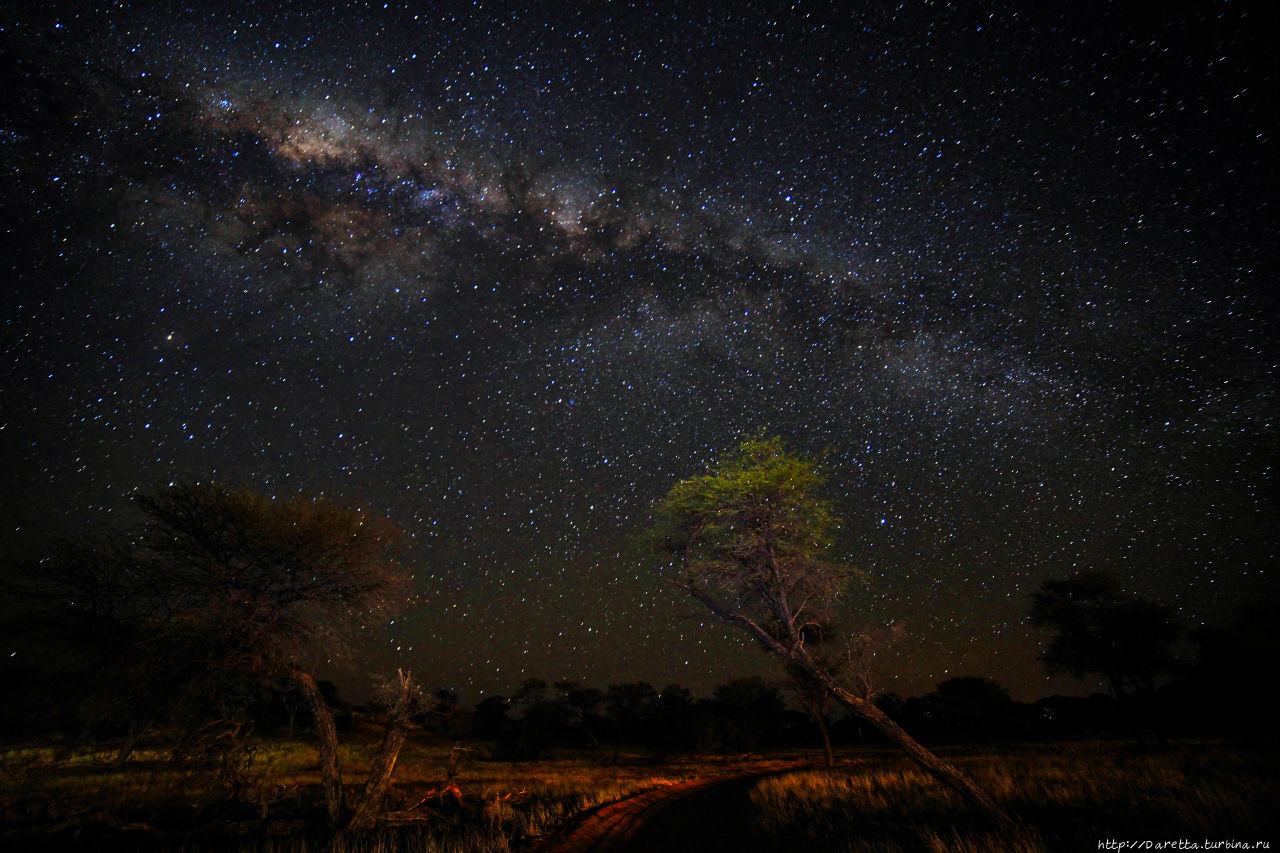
column 753, row 539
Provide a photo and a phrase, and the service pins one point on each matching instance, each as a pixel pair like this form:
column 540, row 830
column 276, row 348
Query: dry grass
column 1066, row 797
column 498, row 804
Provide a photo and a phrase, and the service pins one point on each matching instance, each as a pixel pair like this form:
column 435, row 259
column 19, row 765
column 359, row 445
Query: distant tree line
column 1208, row 697
column 740, row 716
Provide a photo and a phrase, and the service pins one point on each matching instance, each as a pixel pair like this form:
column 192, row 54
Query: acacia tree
column 252, row 584
column 753, row 538
column 219, row 590
column 260, row 585
column 1099, row 628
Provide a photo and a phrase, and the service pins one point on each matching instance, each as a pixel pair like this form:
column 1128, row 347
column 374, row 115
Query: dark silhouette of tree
column 582, row 710
column 750, row 714
column 629, row 708
column 441, row 715
column 752, row 537
column 1101, row 629
column 530, row 693
column 542, row 718
column 974, row 708
column 492, row 718
column 676, row 718
column 260, row 585
column 219, row 594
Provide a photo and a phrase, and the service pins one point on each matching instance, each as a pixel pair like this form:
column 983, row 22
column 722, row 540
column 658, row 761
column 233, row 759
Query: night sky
column 506, row 275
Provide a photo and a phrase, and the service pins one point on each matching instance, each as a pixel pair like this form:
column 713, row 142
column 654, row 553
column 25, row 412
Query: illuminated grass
column 1064, row 797
column 501, row 802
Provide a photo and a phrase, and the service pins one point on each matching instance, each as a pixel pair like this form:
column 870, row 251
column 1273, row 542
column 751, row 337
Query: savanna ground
column 1067, row 797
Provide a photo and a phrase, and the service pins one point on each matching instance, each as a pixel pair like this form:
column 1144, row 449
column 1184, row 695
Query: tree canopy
column 1099, row 628
column 754, row 538
column 267, row 580
column 755, row 534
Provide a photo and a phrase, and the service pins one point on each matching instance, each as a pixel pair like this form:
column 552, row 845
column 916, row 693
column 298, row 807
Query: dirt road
column 700, row 815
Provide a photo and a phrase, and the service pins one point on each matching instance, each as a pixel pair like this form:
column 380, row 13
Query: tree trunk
column 130, row 743
column 939, row 769
column 936, row 767
column 330, row 769
column 821, row 720
column 292, row 708
column 375, row 787
column 799, row 655
column 369, row 807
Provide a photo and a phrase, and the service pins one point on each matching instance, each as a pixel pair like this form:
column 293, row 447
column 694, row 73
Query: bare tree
column 752, row 538
column 857, row 660
column 406, row 702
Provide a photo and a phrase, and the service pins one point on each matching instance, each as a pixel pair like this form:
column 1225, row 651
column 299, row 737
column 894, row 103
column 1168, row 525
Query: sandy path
column 702, row 814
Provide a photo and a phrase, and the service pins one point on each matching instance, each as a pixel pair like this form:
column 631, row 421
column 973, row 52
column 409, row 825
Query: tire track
column 701, row 814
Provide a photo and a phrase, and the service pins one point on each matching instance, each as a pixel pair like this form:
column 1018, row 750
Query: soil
column 700, row 815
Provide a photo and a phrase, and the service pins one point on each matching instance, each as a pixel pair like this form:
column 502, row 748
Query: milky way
column 507, row 275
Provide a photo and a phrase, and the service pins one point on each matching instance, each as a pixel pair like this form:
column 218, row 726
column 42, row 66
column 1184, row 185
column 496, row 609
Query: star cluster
column 506, row 274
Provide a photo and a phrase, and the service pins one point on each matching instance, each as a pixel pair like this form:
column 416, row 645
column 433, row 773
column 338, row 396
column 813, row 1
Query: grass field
column 1065, row 797
column 79, row 800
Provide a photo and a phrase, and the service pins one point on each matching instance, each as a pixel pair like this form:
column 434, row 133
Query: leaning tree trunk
column 936, row 767
column 375, row 787
column 939, row 769
column 327, row 732
column 797, row 654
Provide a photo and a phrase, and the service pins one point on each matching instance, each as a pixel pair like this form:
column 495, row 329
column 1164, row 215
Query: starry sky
column 505, row 272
